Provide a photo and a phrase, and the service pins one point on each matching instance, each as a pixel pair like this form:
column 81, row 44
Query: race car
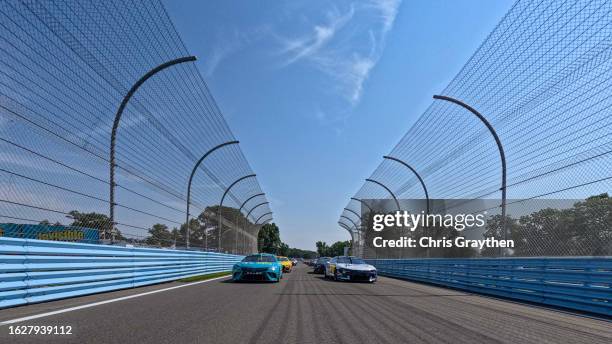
column 258, row 267
column 347, row 268
column 286, row 263
column 319, row 265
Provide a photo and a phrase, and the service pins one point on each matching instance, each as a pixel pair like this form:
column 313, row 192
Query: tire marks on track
column 265, row 323
column 442, row 329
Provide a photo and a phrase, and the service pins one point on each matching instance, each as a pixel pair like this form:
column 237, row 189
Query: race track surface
column 305, row 308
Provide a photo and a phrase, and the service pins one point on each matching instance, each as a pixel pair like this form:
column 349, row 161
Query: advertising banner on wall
column 50, row 232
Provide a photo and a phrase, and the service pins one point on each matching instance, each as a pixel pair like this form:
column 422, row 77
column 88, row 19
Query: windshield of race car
column 354, row 260
column 259, row 259
column 350, row 260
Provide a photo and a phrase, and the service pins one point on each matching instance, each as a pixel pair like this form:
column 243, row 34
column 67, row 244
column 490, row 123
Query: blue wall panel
column 39, row 270
column 582, row 283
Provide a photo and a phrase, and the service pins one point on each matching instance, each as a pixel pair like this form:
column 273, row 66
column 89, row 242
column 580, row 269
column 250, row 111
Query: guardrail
column 583, row 283
column 39, row 270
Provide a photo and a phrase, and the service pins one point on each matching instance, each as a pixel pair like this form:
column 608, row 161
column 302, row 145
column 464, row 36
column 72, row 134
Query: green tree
column 322, row 248
column 299, row 253
column 268, row 239
column 94, row 220
column 336, row 249
column 495, row 229
column 593, row 222
column 209, row 226
column 582, row 230
column 283, row 249
column 196, row 234
column 210, row 215
column 160, row 236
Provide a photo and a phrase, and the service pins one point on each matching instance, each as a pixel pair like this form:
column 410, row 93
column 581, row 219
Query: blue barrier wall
column 39, row 270
column 583, row 284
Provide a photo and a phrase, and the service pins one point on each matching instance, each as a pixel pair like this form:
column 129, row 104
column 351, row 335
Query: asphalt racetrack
column 302, row 308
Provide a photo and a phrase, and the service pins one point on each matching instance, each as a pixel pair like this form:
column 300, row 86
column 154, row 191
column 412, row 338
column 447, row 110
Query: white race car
column 346, row 268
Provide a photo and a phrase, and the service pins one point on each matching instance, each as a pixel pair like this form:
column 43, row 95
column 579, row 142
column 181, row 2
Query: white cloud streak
column 347, row 46
column 388, row 11
column 320, row 35
column 230, row 43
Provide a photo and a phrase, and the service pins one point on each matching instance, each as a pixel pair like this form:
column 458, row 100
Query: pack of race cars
column 268, row 267
column 262, row 267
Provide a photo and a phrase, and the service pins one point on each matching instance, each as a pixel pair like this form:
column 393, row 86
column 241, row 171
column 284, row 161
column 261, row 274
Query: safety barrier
column 583, row 283
column 39, row 270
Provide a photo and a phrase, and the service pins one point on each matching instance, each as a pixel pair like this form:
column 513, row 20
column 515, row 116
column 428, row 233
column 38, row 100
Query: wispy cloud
column 388, row 11
column 312, row 43
column 229, row 43
column 344, row 45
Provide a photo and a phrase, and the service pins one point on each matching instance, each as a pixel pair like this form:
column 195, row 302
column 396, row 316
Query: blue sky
column 318, row 91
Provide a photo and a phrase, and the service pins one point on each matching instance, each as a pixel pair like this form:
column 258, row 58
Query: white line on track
column 65, row 310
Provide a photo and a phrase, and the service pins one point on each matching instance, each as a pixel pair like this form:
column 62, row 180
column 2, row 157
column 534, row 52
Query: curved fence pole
column 420, row 180
column 268, row 213
column 354, row 212
column 193, row 171
column 220, row 219
column 388, row 190
column 359, row 216
column 502, row 155
column 415, row 173
column 255, row 207
column 266, row 222
column 236, row 217
column 351, row 233
column 354, row 225
column 367, row 206
column 344, row 225
column 353, row 222
column 248, row 199
column 246, row 221
column 195, row 167
column 263, row 223
column 362, row 202
column 347, row 228
column 116, row 122
column 245, row 202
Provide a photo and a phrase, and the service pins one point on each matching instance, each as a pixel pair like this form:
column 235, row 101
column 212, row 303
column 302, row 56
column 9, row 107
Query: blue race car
column 258, row 267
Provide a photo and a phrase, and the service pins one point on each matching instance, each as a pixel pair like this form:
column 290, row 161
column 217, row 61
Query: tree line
column 161, row 235
column 336, row 249
column 582, row 230
column 269, row 241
